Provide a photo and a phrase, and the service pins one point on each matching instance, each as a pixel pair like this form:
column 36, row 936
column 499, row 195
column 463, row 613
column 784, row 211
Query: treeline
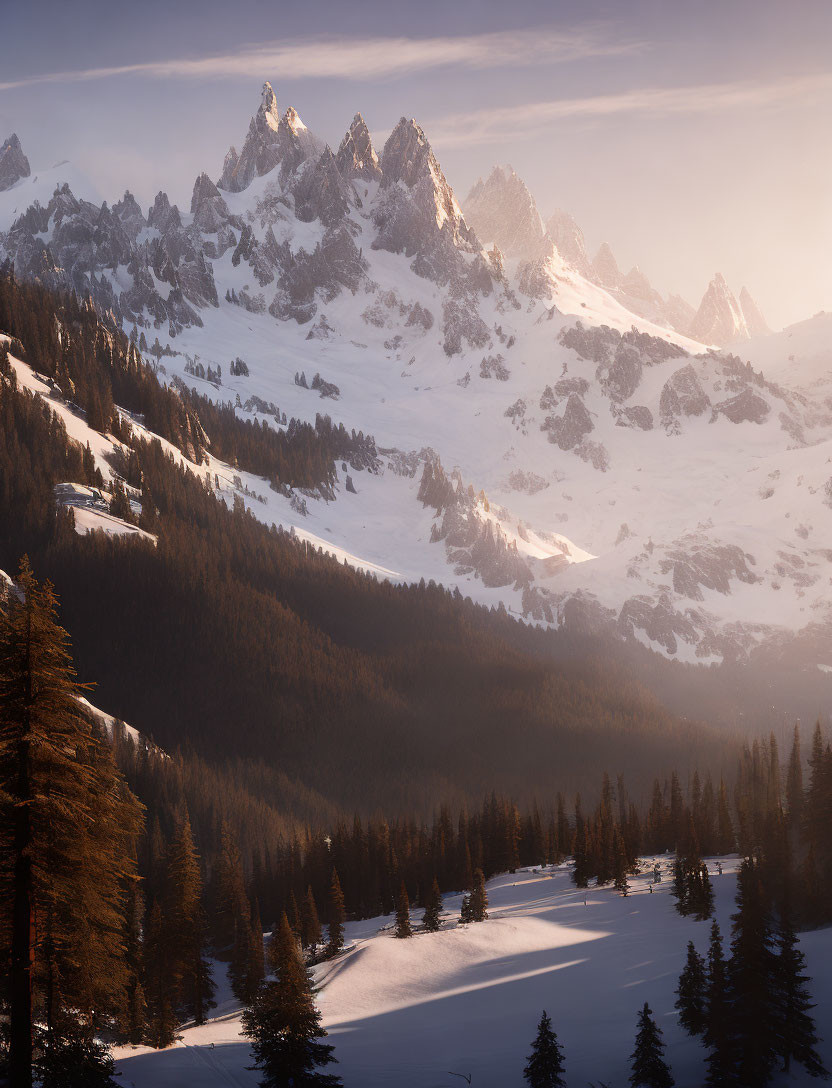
column 227, row 625
column 302, row 455
column 766, row 814
column 95, row 366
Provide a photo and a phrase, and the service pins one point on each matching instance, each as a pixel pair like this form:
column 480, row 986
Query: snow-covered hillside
column 541, row 445
column 467, row 999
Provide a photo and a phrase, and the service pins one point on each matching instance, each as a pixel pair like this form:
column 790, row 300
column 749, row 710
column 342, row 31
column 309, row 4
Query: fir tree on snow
column 544, row 1067
column 649, row 1069
column 717, row 1034
column 310, row 926
column 403, row 926
column 752, row 973
column 690, row 1000
column 433, row 908
column 285, row 1026
column 797, row 1038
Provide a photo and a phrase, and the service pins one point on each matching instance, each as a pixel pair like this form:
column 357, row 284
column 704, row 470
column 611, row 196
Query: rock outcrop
column 14, row 166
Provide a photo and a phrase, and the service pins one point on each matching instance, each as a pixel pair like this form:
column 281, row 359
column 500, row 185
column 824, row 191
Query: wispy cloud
column 496, row 125
column 365, row 58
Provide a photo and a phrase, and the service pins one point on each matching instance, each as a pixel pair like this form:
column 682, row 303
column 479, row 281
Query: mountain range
column 550, row 434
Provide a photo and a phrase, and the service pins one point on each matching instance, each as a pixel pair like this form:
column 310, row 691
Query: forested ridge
column 228, row 637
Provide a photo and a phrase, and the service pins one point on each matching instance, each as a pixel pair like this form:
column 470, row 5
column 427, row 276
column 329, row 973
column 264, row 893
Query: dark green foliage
column 310, row 924
column 403, row 926
column 717, row 1034
column 751, row 977
column 285, row 1027
column 433, row 907
column 544, row 1068
column 335, row 918
column 71, row 1059
column 691, row 993
column 68, row 827
column 796, row 1036
column 649, row 1069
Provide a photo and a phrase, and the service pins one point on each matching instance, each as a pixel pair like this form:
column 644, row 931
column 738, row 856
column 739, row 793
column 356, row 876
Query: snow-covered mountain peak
column 719, row 319
column 268, row 108
column 754, row 319
column 569, row 241
column 605, row 268
column 356, row 155
column 502, row 210
column 13, row 163
column 271, row 141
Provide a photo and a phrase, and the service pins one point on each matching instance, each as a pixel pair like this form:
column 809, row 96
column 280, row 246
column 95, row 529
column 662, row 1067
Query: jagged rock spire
column 719, row 319
column 605, row 268
column 569, row 241
column 757, row 325
column 356, row 156
column 13, row 163
column 502, row 210
column 271, row 141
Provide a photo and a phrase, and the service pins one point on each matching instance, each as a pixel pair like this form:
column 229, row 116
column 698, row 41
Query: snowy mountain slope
column 468, row 999
column 539, row 445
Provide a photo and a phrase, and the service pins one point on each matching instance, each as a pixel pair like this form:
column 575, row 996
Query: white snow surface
column 468, row 999
column 700, row 536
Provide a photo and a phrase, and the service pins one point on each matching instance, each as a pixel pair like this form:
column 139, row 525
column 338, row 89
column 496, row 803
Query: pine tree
column 649, row 1069
column 336, row 918
column 796, row 1036
column 285, row 1026
column 479, row 898
column 135, row 1010
column 159, row 982
column 310, row 923
column 256, row 967
column 68, row 826
column 544, row 1068
column 185, row 923
column 717, row 1034
column 403, row 926
column 751, row 975
column 433, row 909
column 690, row 1000
column 680, row 889
column 619, row 864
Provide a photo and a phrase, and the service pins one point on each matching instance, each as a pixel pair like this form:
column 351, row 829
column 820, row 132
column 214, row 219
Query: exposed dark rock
column 568, row 430
column 356, row 156
column 745, row 407
column 683, row 395
column 13, row 163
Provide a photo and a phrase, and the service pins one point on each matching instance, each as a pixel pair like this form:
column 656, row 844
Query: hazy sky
column 692, row 136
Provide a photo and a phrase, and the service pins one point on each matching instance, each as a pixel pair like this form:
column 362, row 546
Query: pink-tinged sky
column 692, row 136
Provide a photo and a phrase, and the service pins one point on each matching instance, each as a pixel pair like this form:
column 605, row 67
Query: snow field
column 467, row 999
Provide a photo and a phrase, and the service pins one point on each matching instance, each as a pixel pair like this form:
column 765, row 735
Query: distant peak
column 13, row 163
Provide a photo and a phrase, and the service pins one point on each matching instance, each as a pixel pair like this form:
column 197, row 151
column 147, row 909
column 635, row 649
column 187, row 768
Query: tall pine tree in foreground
column 690, row 994
column 649, row 1069
column 68, row 826
column 751, row 978
column 285, row 1026
column 544, row 1068
column 717, row 1034
column 797, row 1039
